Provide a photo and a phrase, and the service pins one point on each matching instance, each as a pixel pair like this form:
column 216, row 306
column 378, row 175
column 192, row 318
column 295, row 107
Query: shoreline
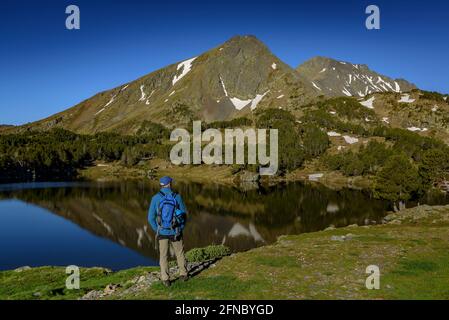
column 218, row 174
column 411, row 248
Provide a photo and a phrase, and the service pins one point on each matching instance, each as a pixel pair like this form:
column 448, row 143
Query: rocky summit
column 334, row 78
column 229, row 81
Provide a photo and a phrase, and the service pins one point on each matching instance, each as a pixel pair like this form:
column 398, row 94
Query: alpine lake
column 105, row 224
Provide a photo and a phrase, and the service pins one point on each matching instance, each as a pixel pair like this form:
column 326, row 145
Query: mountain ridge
column 334, row 78
column 228, row 81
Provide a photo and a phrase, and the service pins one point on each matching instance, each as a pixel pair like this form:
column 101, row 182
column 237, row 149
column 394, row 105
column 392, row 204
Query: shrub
column 234, row 123
column 367, row 161
column 207, row 253
column 315, row 141
column 431, row 95
column 434, row 166
column 291, row 152
column 398, row 180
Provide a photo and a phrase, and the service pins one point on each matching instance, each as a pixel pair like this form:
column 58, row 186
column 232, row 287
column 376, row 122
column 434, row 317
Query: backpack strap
column 158, row 214
column 174, row 194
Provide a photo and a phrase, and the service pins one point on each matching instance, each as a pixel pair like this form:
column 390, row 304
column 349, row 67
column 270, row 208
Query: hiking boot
column 184, row 278
column 166, row 283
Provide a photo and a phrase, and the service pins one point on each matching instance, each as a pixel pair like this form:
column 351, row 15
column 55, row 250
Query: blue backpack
column 167, row 212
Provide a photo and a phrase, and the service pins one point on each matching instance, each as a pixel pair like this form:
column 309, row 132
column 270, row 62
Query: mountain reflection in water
column 217, row 214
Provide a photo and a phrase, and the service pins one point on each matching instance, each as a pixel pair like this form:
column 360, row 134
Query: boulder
column 247, row 176
column 20, row 269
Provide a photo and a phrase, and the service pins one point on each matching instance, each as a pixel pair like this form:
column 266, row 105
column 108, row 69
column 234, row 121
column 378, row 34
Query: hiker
column 167, row 215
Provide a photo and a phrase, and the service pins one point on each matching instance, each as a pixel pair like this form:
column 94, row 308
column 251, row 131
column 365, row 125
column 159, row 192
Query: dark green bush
column 234, row 123
column 207, row 253
column 398, row 180
column 368, row 160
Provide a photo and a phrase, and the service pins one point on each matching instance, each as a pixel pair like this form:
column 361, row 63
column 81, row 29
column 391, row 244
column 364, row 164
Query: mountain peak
column 246, row 43
column 228, row 81
column 244, row 38
column 332, row 77
column 326, row 61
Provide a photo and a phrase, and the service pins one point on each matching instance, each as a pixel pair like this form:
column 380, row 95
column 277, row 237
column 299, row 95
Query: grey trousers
column 178, row 247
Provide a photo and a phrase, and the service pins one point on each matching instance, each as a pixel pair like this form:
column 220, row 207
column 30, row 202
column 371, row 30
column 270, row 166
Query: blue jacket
column 152, row 211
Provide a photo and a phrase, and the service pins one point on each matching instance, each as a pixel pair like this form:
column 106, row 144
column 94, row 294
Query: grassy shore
column 217, row 174
column 157, row 168
column 411, row 250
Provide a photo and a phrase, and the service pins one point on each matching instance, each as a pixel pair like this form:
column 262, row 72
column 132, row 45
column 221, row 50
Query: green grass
column 418, row 266
column 215, row 287
column 49, row 282
column 276, row 262
column 420, row 278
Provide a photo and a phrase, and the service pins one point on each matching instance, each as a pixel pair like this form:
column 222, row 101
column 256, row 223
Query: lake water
column 105, row 224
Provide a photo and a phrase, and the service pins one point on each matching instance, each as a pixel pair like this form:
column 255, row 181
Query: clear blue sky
column 45, row 68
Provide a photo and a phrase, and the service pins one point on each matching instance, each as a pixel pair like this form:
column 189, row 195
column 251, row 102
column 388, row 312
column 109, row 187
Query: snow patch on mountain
column 257, row 99
column 405, row 98
column 414, row 129
column 223, row 86
column 350, row 140
column 101, row 110
column 186, row 66
column 107, row 104
column 368, row 103
column 346, row 92
column 143, row 94
column 314, row 84
column 110, row 101
column 348, row 79
column 239, row 104
column 147, row 102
